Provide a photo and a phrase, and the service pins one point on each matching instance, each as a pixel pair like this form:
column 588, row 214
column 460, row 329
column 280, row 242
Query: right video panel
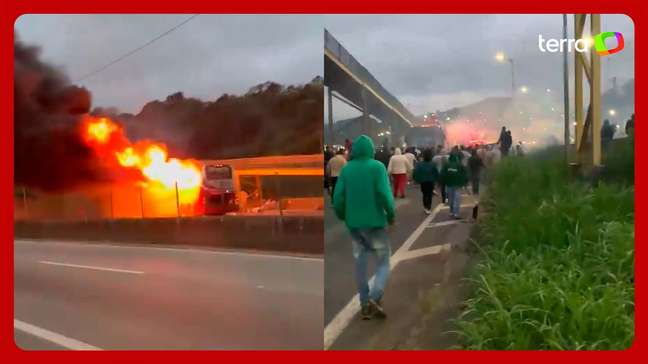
column 479, row 182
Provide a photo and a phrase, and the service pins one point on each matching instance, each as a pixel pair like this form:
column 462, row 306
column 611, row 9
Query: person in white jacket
column 411, row 158
column 334, row 167
column 399, row 167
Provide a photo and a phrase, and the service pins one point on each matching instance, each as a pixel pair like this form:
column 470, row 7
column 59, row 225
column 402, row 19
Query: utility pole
column 330, row 117
column 512, row 77
column 566, row 92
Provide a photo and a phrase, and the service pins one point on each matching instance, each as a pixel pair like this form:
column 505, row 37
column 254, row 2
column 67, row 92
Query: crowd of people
column 434, row 169
column 608, row 130
column 363, row 182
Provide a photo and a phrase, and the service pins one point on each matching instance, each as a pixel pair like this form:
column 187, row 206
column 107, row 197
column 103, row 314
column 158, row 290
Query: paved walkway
column 428, row 261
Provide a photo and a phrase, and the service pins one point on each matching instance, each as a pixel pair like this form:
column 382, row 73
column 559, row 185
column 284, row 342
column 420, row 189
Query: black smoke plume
column 48, row 153
column 270, row 119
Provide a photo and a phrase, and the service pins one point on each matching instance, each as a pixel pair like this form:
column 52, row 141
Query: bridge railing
column 333, row 46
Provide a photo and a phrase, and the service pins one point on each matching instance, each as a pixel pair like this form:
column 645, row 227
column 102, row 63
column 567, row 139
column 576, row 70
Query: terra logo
column 583, row 44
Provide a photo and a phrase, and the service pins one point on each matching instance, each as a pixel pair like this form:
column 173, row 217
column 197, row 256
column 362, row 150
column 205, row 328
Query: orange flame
column 100, row 130
column 161, row 173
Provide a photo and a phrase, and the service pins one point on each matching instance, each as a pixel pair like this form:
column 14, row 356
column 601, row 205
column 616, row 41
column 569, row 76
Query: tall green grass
column 557, row 264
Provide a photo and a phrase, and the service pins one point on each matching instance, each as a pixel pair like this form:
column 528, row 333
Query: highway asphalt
column 110, row 296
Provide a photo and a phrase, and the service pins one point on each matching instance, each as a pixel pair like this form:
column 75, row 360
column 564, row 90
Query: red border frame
column 12, row 9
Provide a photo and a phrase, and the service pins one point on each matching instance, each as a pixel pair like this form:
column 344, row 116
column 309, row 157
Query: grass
column 557, row 264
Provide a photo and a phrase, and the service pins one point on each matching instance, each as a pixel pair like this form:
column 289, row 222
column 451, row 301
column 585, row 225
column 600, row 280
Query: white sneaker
column 427, row 212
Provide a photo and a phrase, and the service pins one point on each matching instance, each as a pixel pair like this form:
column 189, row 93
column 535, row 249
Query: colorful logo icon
column 601, row 48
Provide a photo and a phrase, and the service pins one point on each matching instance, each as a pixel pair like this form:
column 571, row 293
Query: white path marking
column 53, row 337
column 90, row 267
column 344, row 316
column 463, row 205
column 444, row 223
column 416, row 253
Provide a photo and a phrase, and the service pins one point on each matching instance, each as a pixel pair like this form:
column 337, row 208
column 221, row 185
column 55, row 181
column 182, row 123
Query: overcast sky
column 432, row 62
column 208, row 56
column 429, row 62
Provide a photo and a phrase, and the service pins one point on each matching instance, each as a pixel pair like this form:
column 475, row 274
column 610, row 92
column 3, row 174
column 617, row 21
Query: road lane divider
column 53, row 337
column 90, row 267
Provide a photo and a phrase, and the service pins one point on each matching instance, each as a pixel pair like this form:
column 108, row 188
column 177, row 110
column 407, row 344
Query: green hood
column 363, row 197
column 362, row 148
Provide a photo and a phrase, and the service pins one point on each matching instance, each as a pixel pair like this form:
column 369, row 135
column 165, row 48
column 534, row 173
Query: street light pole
column 501, row 58
column 566, row 92
column 512, row 77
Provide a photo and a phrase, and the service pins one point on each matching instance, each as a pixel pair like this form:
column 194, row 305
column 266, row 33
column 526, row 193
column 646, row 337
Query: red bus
column 217, row 193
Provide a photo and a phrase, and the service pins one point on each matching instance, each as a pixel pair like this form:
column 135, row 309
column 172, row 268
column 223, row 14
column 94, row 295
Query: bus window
column 218, row 172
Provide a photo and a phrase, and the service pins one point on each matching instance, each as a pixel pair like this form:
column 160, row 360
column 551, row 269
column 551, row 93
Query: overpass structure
column 350, row 82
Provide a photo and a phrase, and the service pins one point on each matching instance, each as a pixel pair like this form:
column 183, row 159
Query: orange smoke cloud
column 469, row 132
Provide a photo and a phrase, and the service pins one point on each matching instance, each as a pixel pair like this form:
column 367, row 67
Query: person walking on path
column 411, row 157
column 399, row 168
column 426, row 174
column 410, row 154
column 348, row 146
column 501, row 136
column 629, row 126
column 475, row 165
column 439, row 161
column 382, row 155
column 328, row 154
column 334, row 167
column 506, row 143
column 454, row 176
column 607, row 132
column 363, row 200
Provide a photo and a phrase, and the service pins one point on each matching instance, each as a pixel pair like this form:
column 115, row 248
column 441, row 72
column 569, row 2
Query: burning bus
column 267, row 185
column 217, row 192
column 143, row 181
column 429, row 133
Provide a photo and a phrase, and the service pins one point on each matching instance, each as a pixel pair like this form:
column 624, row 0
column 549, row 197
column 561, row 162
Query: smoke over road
column 50, row 154
column 48, row 151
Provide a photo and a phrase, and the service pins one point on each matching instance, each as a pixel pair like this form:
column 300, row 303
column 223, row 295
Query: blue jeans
column 365, row 242
column 454, row 199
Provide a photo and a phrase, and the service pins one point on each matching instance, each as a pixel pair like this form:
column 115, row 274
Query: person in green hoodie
column 454, row 176
column 426, row 175
column 363, row 200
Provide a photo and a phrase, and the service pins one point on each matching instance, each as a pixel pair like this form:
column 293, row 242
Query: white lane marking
column 444, row 223
column 244, row 254
column 91, row 267
column 416, row 253
column 463, row 205
column 53, row 337
column 188, row 250
column 419, row 230
column 344, row 316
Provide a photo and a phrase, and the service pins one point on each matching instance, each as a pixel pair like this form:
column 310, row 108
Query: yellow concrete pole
column 595, row 92
column 579, row 22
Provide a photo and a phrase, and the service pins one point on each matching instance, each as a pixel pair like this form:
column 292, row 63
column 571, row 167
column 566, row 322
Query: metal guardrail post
column 141, row 198
column 278, row 188
column 177, row 198
column 25, row 206
column 112, row 208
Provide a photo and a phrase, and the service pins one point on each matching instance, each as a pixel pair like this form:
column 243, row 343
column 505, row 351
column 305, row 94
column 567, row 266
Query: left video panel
column 168, row 182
